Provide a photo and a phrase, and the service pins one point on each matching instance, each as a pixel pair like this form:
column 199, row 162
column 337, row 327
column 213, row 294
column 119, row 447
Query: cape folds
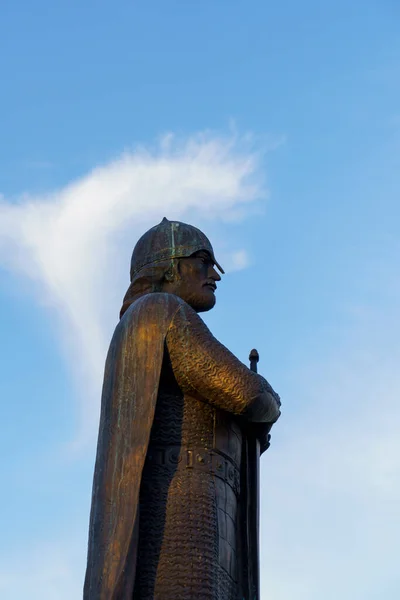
column 128, row 404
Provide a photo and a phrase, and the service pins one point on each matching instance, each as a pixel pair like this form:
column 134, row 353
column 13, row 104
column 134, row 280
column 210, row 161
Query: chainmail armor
column 188, row 536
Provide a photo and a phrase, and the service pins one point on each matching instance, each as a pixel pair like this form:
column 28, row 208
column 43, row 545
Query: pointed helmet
column 169, row 239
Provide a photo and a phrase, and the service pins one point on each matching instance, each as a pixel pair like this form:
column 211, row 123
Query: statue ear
column 173, row 273
column 169, row 276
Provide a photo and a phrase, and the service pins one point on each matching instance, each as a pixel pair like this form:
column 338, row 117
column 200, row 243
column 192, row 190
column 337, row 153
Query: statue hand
column 262, row 432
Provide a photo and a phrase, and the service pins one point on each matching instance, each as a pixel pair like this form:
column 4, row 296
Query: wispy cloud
column 74, row 244
column 239, row 260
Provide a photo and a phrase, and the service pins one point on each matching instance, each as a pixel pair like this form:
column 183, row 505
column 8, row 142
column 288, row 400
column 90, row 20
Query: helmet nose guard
column 169, row 239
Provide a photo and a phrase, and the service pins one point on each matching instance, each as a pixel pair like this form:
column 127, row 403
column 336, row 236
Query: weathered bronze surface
column 182, row 423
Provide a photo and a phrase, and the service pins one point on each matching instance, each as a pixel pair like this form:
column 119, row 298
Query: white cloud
column 239, row 260
column 75, row 243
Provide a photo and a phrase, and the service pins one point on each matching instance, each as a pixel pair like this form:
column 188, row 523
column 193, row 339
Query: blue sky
column 276, row 128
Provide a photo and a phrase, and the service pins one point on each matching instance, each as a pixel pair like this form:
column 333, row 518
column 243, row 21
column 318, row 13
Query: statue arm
column 206, row 368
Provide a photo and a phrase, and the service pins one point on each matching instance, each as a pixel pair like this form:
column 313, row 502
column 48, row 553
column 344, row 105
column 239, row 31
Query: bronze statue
column 174, row 481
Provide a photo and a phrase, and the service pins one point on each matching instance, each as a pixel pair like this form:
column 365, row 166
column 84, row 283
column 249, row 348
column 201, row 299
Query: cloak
column 129, row 398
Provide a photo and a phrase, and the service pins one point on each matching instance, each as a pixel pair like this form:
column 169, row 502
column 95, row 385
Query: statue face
column 195, row 281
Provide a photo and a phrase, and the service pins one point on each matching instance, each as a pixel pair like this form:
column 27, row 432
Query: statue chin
column 203, row 302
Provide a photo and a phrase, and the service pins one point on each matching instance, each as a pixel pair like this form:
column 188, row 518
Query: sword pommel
column 254, row 358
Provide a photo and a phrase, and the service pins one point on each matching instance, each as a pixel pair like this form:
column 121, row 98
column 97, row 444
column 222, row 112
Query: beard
column 202, row 300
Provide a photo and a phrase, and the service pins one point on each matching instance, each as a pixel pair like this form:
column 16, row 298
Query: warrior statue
column 171, row 498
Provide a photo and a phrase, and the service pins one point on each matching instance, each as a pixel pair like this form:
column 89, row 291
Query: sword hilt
column 254, row 358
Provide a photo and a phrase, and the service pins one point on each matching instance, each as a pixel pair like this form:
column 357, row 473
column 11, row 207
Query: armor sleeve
column 205, row 368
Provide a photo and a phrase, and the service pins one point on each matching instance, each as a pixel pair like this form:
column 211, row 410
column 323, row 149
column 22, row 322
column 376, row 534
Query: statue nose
column 215, row 275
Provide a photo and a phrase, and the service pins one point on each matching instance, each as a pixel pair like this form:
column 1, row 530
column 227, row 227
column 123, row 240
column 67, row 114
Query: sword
column 254, row 504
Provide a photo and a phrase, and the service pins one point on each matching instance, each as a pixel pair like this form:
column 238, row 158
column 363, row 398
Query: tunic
column 189, row 526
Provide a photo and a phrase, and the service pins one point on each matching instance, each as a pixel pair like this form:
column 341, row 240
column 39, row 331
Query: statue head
column 176, row 258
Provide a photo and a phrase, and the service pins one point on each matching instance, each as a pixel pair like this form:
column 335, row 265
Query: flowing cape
column 129, row 398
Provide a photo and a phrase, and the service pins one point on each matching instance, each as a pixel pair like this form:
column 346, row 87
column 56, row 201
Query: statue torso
column 188, row 539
